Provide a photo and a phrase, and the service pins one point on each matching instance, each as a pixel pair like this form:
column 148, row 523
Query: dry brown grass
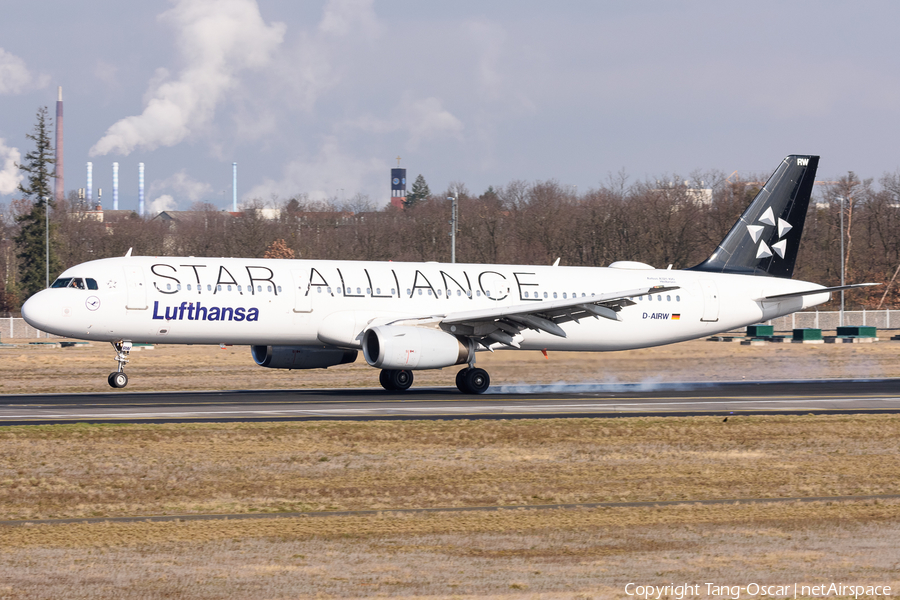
column 512, row 554
column 27, row 369
column 121, row 470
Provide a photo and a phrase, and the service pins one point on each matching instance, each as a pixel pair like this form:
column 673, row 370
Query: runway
column 507, row 402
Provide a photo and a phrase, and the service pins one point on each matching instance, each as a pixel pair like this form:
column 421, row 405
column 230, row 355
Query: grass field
column 108, row 470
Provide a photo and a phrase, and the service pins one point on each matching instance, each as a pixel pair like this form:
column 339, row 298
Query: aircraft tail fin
column 766, row 238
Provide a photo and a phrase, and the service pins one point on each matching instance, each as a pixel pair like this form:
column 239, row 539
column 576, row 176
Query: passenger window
column 545, row 294
column 279, row 288
column 319, row 290
column 340, row 290
column 358, row 291
column 218, row 287
column 168, row 286
column 478, row 293
column 178, row 286
column 488, row 293
column 92, row 284
column 208, row 287
column 429, row 292
column 668, row 298
column 659, row 298
column 229, row 288
column 393, row 291
column 650, row 297
column 378, row 291
column 564, row 296
column 677, row 298
column 420, row 291
column 329, row 290
column 268, row 288
column 554, row 294
column 189, row 287
column 526, row 294
column 368, row 290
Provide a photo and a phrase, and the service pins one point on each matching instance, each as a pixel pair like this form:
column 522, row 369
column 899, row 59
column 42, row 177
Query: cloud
column 10, row 176
column 217, row 40
column 421, row 119
column 15, row 77
column 321, row 177
column 345, row 17
column 164, row 202
column 182, row 186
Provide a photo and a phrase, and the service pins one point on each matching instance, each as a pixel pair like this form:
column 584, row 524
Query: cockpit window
column 77, row 283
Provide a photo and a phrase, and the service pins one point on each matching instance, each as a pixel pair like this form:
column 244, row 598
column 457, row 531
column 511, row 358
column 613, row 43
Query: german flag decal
column 676, row 317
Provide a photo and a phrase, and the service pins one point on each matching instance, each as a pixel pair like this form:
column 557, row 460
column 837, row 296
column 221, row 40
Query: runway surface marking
column 647, row 406
column 448, row 509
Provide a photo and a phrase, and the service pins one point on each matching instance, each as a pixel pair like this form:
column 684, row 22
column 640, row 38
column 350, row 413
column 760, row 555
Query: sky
column 320, row 97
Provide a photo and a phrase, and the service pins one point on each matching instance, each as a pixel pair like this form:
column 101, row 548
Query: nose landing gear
column 119, row 379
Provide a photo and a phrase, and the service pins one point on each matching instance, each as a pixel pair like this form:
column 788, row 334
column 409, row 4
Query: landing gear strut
column 473, row 381
column 395, row 380
column 119, row 379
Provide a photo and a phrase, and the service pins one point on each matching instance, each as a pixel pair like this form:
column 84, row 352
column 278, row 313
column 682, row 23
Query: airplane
column 310, row 314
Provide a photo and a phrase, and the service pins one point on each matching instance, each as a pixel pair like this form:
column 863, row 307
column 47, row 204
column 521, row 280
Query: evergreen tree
column 30, row 241
column 418, row 192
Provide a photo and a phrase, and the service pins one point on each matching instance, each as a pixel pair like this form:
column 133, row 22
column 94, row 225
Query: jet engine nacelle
column 301, row 357
column 399, row 347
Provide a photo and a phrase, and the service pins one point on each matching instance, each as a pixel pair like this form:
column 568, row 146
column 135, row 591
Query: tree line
column 673, row 221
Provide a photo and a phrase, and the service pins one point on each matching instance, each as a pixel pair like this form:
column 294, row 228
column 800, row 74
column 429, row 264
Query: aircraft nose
column 38, row 310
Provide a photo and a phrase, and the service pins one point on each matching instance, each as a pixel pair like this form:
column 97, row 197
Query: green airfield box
column 759, row 331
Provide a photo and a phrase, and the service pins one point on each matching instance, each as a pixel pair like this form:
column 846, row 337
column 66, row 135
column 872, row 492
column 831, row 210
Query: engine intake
column 400, row 347
column 301, row 357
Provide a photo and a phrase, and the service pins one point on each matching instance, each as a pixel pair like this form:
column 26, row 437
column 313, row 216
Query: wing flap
column 502, row 324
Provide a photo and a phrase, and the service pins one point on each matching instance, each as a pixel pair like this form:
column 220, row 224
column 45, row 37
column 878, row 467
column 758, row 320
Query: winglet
column 556, row 262
column 127, row 254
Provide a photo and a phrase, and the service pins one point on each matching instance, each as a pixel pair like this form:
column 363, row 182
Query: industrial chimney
column 60, row 190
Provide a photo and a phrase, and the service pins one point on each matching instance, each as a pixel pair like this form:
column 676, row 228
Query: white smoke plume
column 164, row 202
column 217, row 39
column 10, row 176
column 15, row 77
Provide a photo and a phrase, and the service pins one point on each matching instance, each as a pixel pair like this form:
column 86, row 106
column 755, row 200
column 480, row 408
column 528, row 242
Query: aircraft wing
column 501, row 324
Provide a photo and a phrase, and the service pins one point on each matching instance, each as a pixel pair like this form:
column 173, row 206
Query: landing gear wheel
column 384, row 378
column 473, row 381
column 401, row 380
column 118, row 380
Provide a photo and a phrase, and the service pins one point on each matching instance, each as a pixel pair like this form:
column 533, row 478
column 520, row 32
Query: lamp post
column 454, row 217
column 842, row 259
column 46, row 242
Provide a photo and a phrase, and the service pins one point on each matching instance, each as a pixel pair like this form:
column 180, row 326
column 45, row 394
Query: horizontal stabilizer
column 818, row 291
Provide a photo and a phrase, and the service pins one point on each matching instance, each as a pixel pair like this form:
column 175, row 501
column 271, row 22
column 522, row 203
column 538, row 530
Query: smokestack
column 141, row 189
column 234, row 187
column 60, row 189
column 90, row 182
column 115, row 186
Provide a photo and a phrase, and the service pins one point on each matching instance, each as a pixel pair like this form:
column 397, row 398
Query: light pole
column 46, row 242
column 841, row 198
column 454, row 217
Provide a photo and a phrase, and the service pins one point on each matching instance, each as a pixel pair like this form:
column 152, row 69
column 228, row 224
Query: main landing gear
column 473, row 381
column 395, row 380
column 119, row 379
column 469, row 381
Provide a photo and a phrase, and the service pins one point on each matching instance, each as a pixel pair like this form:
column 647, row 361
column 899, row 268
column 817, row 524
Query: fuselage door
column 137, row 292
column 710, row 300
column 302, row 296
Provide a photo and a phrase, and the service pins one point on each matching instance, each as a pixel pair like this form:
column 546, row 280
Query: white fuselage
column 307, row 302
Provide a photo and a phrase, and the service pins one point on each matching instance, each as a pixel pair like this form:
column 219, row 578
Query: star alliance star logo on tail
column 768, row 218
